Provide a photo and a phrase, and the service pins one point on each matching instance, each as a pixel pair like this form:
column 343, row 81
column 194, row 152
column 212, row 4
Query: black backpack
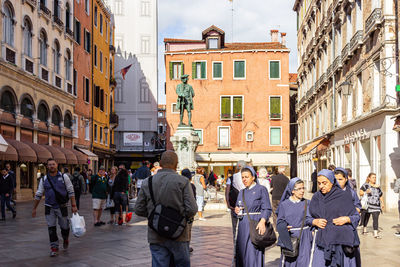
column 233, row 194
column 76, row 182
column 165, row 221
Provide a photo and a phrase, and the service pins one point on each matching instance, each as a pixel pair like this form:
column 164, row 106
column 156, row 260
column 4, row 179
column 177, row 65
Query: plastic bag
column 78, row 225
column 109, row 202
column 364, row 202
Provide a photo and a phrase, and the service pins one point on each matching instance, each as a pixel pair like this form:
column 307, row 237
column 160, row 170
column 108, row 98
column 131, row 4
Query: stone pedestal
column 185, row 141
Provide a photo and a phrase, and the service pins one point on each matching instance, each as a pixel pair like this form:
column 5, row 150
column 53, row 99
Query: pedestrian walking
column 335, row 241
column 375, row 203
column 110, row 193
column 212, row 179
column 58, row 190
column 314, row 181
column 294, row 221
column 14, row 180
column 263, row 178
column 6, row 189
column 200, row 184
column 89, row 175
column 141, row 174
column 85, row 178
column 278, row 185
column 396, row 189
column 98, row 186
column 120, row 188
column 352, row 181
column 174, row 190
column 186, row 173
column 341, row 176
column 79, row 184
column 233, row 186
column 256, row 198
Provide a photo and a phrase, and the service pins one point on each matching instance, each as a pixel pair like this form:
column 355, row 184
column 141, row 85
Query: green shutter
column 239, row 69
column 203, row 70
column 194, row 76
column 275, row 107
column 237, row 107
column 171, row 70
column 275, row 136
column 182, row 69
column 274, row 69
column 217, row 70
column 226, row 107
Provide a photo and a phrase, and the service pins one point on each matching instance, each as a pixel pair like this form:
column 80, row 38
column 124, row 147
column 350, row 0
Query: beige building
column 347, row 98
column 37, row 89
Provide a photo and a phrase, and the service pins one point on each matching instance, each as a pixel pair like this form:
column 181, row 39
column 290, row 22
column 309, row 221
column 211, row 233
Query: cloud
column 252, row 22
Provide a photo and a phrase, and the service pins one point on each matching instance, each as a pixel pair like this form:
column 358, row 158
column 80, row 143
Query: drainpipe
column 396, row 9
column 333, row 110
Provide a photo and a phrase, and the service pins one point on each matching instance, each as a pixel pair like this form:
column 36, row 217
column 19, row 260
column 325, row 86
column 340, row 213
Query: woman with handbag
column 294, row 226
column 110, row 191
column 375, row 203
column 335, row 217
column 253, row 208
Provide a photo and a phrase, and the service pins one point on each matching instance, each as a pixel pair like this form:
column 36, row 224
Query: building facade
column 347, row 97
column 36, row 89
column 241, row 103
column 104, row 118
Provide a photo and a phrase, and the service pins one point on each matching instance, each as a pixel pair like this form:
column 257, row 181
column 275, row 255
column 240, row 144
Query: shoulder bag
column 295, row 240
column 60, row 199
column 265, row 240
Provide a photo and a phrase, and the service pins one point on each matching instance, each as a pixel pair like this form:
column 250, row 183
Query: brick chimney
column 283, row 37
column 274, row 35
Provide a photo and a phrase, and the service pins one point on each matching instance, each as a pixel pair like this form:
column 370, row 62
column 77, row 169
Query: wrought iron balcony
column 373, row 20
column 32, row 3
column 337, row 63
column 324, row 79
column 330, row 70
column 345, row 52
column 356, row 41
column 45, row 10
column 58, row 21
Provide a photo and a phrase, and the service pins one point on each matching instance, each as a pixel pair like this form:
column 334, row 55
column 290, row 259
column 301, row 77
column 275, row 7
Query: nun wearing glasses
column 294, row 221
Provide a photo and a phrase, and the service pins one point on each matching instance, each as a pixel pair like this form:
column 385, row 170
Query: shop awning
column 258, row 159
column 82, row 158
column 3, row 144
column 10, row 154
column 269, row 159
column 58, row 155
column 311, row 146
column 42, row 153
column 89, row 153
column 25, row 152
column 69, row 155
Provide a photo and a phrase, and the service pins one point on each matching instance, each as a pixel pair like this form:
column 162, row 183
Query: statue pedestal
column 185, row 141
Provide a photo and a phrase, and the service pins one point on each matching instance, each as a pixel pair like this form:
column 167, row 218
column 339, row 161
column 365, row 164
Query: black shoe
column 97, row 224
column 102, row 223
column 14, row 214
column 2, row 219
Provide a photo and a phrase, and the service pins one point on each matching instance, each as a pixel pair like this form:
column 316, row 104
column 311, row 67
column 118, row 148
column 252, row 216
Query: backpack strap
column 151, row 190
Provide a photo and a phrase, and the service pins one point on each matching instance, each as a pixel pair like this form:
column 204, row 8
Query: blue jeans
column 168, row 252
column 5, row 201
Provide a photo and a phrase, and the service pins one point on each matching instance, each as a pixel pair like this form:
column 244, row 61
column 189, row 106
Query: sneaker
column 397, row 234
column 65, row 244
column 14, row 214
column 202, row 219
column 123, row 224
column 53, row 252
column 116, row 223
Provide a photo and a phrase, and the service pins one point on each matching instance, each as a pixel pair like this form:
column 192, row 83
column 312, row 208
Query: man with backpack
column 58, row 190
column 79, row 184
column 167, row 200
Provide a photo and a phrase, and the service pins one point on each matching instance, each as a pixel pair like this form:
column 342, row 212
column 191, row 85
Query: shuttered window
column 274, row 70
column 199, row 70
column 225, row 107
column 275, row 107
column 176, row 70
column 217, row 70
column 239, row 71
column 231, row 107
column 237, row 107
column 275, row 136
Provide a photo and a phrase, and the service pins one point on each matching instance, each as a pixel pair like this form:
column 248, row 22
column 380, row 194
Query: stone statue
column 185, row 94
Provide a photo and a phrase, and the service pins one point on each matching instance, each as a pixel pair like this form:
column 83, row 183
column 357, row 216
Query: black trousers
column 375, row 219
column 77, row 198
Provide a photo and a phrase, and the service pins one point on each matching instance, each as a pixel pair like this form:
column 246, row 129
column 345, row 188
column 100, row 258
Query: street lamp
column 346, row 88
column 295, row 142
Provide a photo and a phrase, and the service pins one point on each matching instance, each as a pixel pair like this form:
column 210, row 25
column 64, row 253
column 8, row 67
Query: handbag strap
column 304, row 218
column 245, row 206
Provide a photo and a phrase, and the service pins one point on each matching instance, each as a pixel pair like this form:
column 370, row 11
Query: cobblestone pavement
column 24, row 242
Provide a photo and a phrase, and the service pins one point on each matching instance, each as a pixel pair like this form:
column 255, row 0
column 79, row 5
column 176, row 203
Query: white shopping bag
column 78, row 225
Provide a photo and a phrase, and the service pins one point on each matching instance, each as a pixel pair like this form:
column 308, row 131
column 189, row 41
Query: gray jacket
column 397, row 187
column 171, row 190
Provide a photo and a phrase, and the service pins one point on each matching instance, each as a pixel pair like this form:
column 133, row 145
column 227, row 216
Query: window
column 43, row 113
column 95, row 16
column 87, row 41
column 339, row 109
column 224, row 137
column 199, row 132
column 275, row 136
column 27, row 108
column 97, row 96
column 95, row 55
column 56, row 7
column 27, row 38
column 75, row 82
column 144, row 91
column 87, row 130
column 95, row 132
column 101, row 134
column 56, row 57
column 360, row 101
column 86, row 85
column 56, row 117
column 77, row 31
column 350, row 105
column 174, row 108
column 67, row 17
column 101, row 23
column 275, row 70
column 231, row 107
column 68, row 121
column 102, row 99
column 106, row 136
column 145, row 8
column 213, row 43
column 145, row 45
column 275, row 111
column 176, row 69
column 87, row 8
column 101, row 61
column 217, row 70
column 68, row 65
column 199, row 70
column 8, row 25
column 118, row 7
column 239, row 69
column 43, row 48
column 7, row 102
column 105, row 64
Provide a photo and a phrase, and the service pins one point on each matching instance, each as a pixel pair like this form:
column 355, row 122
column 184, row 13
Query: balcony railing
column 114, row 120
column 345, row 52
column 10, row 55
column 45, row 10
column 69, row 32
column 330, row 70
column 356, row 40
column 324, row 79
column 337, row 63
column 58, row 21
column 373, row 20
column 32, row 3
column 28, row 65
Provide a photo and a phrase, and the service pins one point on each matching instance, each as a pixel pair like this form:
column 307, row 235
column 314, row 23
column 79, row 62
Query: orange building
column 241, row 103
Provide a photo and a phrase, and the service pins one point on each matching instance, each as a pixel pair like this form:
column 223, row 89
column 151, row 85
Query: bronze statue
column 185, row 94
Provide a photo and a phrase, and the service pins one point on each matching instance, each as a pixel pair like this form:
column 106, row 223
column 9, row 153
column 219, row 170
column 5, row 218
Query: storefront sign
column 133, row 139
column 360, row 134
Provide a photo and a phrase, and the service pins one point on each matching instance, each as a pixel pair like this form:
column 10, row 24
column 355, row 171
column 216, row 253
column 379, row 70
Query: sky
column 252, row 22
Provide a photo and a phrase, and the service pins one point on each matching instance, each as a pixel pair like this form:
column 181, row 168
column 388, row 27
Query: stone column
column 185, row 142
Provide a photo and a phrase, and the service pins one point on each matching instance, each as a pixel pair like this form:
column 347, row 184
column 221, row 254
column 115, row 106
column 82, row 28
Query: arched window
column 27, row 38
column 56, row 8
column 67, row 17
column 56, row 57
column 43, row 48
column 56, row 117
column 68, row 121
column 8, row 25
column 43, row 113
column 8, row 102
column 27, row 107
column 68, row 65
